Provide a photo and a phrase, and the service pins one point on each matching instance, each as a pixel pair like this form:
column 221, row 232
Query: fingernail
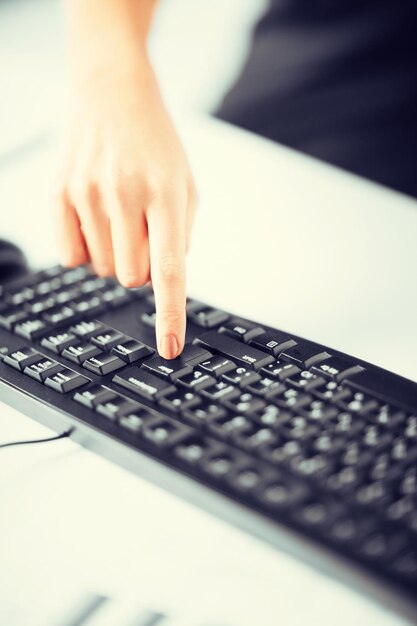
column 169, row 347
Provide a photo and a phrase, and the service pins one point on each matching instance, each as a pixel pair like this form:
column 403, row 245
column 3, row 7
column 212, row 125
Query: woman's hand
column 126, row 199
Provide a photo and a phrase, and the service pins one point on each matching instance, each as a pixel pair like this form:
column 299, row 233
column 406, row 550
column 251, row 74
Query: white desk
column 281, row 239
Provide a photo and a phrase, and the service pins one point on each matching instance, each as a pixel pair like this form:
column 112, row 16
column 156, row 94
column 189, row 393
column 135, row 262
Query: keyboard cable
column 27, row 441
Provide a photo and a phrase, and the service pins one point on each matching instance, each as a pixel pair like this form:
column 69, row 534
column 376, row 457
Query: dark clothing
column 336, row 79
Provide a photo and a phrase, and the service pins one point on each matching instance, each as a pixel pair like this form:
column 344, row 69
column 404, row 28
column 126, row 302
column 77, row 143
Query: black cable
column 21, row 443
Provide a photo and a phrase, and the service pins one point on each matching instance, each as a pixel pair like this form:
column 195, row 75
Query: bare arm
column 126, row 198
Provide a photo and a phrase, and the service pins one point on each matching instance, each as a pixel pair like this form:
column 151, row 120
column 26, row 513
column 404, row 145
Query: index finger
column 167, row 258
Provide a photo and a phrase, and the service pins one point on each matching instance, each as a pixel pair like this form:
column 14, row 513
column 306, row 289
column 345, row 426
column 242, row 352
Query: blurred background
column 195, row 64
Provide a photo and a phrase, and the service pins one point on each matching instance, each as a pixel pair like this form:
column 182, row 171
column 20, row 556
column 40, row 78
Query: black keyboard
column 304, row 446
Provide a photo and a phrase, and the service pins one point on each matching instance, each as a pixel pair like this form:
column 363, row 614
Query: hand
column 126, row 199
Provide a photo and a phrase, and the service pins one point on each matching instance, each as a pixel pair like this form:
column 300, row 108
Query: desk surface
column 279, row 238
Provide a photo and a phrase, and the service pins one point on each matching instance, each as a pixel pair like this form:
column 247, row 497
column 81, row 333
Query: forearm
column 106, row 36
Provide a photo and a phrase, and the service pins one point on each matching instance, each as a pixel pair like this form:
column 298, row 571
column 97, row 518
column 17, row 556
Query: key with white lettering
column 131, row 350
column 143, row 383
column 235, row 350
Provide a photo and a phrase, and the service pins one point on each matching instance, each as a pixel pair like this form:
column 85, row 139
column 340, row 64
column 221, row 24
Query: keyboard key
column 164, row 433
column 196, row 448
column 234, row 350
column 143, row 383
column 373, row 494
column 318, row 410
column 293, row 399
column 265, row 386
column 360, row 403
column 337, row 368
column 306, row 380
column 331, row 391
column 319, row 515
column 300, row 429
column 273, row 342
column 316, row 466
column 88, row 304
column 344, row 481
column 39, row 305
column 60, row 315
column 94, row 395
column 245, row 403
column 66, row 380
column 42, row 369
column 170, row 369
column 10, row 317
column 179, row 400
column 80, row 352
column 220, row 391
column 48, row 286
column 115, row 296
column 194, row 305
column 219, row 465
column 390, row 417
column 241, row 376
column 75, row 275
column 281, row 453
column 204, row 412
column 31, row 329
column 103, row 364
column 271, row 415
column 131, row 351
column 281, row 493
column 305, row 354
column 66, row 295
column 179, row 367
column 58, row 342
column 385, row 385
column 241, row 329
column 207, row 317
column 193, row 354
column 229, row 425
column 216, row 366
column 21, row 358
column 247, row 479
column 280, row 369
column 19, row 297
column 3, row 351
column 93, row 283
column 380, row 546
column 86, row 329
column 134, row 421
column 115, row 407
column 196, row 380
column 52, row 272
column 107, row 339
column 149, row 318
column 255, row 437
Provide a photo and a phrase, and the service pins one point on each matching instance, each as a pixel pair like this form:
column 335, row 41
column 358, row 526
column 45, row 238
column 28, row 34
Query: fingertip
column 168, row 347
column 131, row 280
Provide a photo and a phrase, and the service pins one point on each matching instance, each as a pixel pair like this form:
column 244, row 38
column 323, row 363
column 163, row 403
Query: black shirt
column 336, row 79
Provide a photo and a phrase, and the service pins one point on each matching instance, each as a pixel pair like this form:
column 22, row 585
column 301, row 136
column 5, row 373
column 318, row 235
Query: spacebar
column 234, row 350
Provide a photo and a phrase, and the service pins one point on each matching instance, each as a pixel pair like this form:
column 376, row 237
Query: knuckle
column 171, row 317
column 128, row 191
column 159, row 183
column 170, row 267
column 84, row 193
column 60, row 196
